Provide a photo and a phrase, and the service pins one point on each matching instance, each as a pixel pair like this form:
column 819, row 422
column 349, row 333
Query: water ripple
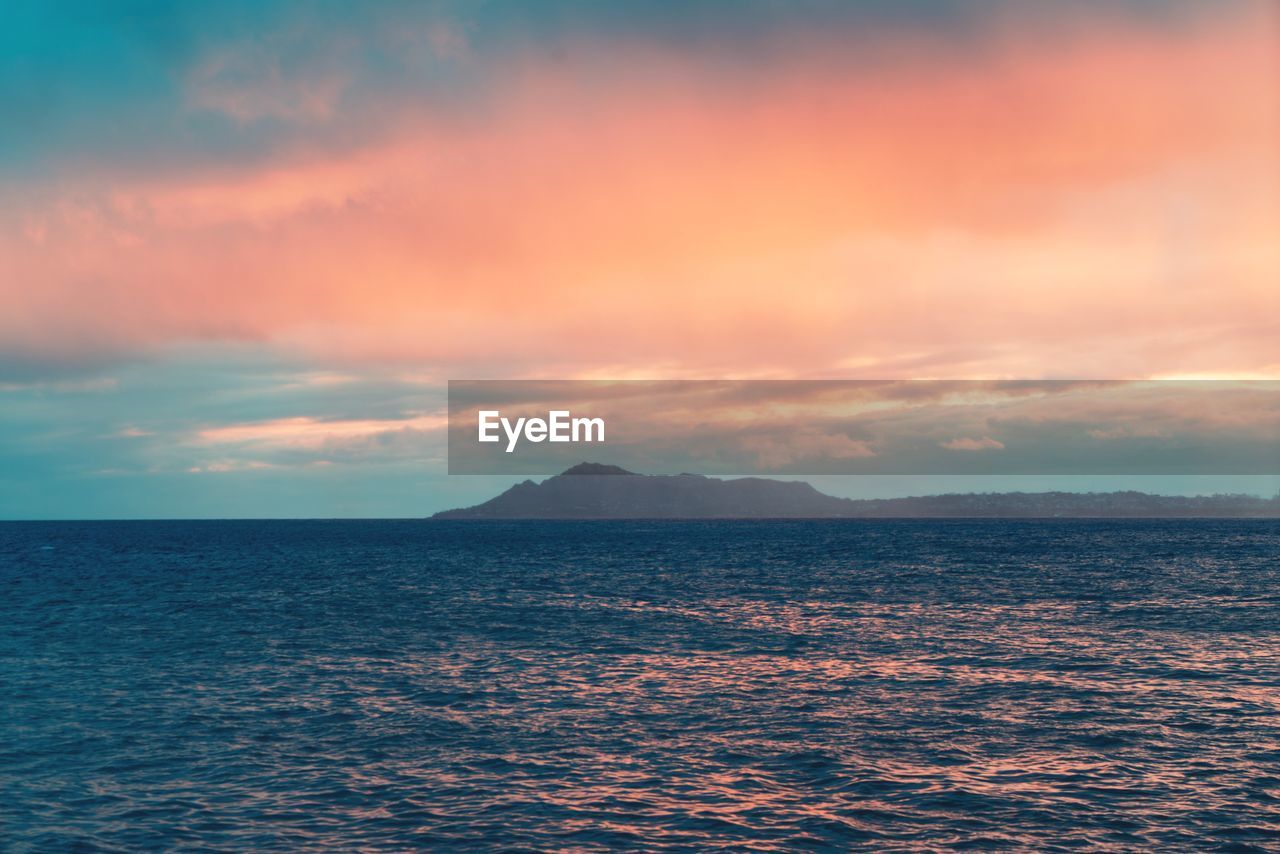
column 685, row 686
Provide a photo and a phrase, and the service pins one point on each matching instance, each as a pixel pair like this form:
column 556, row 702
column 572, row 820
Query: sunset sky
column 234, row 230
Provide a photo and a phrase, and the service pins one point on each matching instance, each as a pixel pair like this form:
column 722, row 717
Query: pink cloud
column 312, row 433
column 773, row 452
column 1106, row 208
column 986, row 443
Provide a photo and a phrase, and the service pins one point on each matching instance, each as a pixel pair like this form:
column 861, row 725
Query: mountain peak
column 639, row 496
column 595, row 468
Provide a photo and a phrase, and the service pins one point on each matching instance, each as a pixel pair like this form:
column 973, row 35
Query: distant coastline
column 596, row 491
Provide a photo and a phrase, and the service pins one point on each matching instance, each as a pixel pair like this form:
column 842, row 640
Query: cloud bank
column 919, row 189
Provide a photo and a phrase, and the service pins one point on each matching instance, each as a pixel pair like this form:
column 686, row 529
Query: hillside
column 595, row 491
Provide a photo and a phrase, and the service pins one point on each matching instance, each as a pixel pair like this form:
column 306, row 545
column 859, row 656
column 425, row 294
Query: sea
column 890, row 685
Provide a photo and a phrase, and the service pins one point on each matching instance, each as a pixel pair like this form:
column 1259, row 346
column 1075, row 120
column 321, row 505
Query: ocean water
column 899, row 685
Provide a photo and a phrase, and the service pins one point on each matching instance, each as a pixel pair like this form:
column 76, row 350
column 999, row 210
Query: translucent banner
column 818, row 427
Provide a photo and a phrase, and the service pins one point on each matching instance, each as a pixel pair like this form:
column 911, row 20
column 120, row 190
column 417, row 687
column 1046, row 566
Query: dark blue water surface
column 768, row 685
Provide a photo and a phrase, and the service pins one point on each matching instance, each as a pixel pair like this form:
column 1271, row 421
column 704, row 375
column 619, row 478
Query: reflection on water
column 587, row 685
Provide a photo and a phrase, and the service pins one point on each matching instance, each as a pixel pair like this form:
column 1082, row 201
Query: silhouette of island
column 597, row 491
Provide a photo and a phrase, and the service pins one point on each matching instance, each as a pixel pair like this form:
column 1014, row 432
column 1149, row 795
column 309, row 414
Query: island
column 597, row 491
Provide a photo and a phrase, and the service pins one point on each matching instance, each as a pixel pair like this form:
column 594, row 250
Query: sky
column 244, row 245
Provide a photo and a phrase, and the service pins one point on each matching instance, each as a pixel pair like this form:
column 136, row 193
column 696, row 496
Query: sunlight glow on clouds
column 339, row 207
column 303, row 432
column 1102, row 205
column 986, row 443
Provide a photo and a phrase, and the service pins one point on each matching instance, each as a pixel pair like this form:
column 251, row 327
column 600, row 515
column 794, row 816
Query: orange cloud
column 1106, row 206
